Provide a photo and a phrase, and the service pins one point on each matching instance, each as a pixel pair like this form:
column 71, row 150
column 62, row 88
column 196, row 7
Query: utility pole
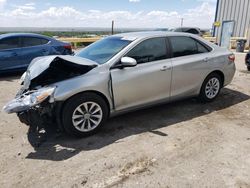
column 112, row 29
column 182, row 20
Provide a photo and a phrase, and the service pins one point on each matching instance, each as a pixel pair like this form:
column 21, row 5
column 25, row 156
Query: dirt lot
column 183, row 144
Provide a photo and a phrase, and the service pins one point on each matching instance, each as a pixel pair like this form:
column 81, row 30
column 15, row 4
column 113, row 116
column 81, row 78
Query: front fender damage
column 34, row 102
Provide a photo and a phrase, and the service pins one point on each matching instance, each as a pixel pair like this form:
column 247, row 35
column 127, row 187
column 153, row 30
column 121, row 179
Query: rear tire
column 248, row 68
column 210, row 88
column 84, row 114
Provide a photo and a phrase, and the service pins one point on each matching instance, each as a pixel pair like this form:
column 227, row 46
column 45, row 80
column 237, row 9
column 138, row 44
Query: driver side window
column 149, row 50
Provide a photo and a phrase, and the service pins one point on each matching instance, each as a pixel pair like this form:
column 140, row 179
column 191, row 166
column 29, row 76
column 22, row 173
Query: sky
column 100, row 13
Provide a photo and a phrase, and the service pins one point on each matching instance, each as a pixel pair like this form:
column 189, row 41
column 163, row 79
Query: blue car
column 18, row 50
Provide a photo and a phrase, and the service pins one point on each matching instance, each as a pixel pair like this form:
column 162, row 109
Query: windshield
column 103, row 50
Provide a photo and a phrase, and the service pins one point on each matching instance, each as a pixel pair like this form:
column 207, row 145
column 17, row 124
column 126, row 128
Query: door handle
column 164, row 68
column 206, row 59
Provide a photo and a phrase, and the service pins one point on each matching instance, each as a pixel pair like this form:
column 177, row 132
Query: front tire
column 84, row 114
column 248, row 68
column 210, row 88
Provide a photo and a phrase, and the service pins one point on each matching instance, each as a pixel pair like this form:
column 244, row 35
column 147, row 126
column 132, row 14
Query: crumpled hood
column 49, row 69
column 40, row 64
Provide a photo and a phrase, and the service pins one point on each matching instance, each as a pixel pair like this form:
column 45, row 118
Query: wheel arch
column 62, row 104
column 220, row 73
column 91, row 91
column 201, row 95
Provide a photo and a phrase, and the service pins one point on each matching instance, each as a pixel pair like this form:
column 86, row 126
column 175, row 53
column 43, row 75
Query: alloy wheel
column 87, row 116
column 212, row 88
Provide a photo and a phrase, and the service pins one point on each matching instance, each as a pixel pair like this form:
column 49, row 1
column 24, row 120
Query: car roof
column 23, row 35
column 141, row 35
column 151, row 34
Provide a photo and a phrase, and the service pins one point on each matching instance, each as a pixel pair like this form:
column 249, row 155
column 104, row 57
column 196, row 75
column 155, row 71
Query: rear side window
column 183, row 46
column 201, row 48
column 33, row 41
column 149, row 50
column 9, row 43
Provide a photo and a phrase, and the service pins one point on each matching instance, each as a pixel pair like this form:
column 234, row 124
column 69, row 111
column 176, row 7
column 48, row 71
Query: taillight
column 231, row 57
column 68, row 47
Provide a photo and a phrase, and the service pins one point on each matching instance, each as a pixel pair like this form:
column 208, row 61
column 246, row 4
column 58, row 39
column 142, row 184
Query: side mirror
column 128, row 62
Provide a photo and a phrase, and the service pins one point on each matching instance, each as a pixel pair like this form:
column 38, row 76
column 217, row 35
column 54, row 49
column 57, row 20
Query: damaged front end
column 34, row 103
column 28, row 100
column 33, row 107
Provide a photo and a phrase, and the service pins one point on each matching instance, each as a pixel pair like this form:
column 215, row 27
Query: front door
column 146, row 83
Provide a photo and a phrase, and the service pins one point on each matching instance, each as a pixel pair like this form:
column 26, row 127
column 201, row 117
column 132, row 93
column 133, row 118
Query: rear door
column 33, row 47
column 10, row 53
column 190, row 60
column 147, row 82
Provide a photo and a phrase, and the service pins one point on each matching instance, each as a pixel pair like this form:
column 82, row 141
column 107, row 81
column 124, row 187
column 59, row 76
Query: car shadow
column 61, row 147
column 10, row 77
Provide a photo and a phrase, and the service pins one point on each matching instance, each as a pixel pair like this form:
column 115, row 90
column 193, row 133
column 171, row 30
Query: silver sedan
column 117, row 74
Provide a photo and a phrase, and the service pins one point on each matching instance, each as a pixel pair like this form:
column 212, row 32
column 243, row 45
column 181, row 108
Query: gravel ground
column 183, row 144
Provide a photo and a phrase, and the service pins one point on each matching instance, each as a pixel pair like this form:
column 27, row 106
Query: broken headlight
column 41, row 94
column 28, row 100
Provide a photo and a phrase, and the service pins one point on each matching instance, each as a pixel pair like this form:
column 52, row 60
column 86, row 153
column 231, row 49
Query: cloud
column 59, row 13
column 162, row 13
column 202, row 15
column 23, row 16
column 134, row 1
column 24, row 7
column 30, row 4
column 2, row 3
